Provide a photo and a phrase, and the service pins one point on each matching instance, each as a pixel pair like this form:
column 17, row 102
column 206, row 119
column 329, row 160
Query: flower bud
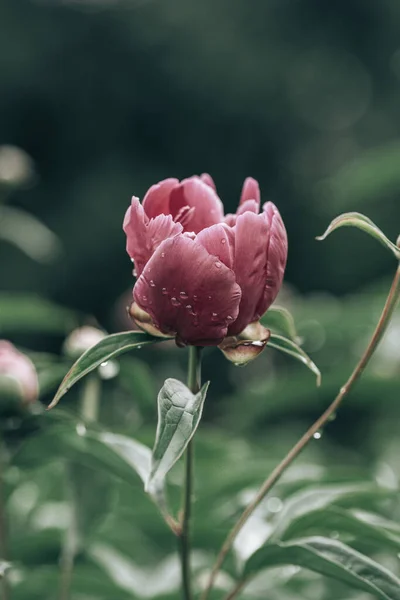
column 82, row 339
column 17, row 374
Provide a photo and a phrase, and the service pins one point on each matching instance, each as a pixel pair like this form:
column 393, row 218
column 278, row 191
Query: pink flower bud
column 203, row 277
column 20, row 369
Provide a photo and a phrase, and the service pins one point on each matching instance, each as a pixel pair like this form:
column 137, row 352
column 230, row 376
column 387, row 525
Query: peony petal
column 277, row 256
column 193, row 192
column 230, row 220
column 251, row 243
column 248, row 206
column 188, row 292
column 144, row 321
column 144, row 235
column 251, row 191
column 208, row 180
column 219, row 240
column 156, row 200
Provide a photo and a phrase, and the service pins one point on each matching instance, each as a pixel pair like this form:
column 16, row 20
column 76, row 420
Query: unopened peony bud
column 16, row 166
column 17, row 373
column 82, row 339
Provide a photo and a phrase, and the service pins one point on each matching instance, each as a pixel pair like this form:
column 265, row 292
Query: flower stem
column 5, row 591
column 194, row 383
column 89, row 411
column 380, row 329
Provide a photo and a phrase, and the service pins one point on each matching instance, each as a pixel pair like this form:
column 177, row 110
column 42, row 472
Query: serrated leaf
column 332, row 559
column 109, row 347
column 179, row 413
column 278, row 317
column 343, row 521
column 317, row 498
column 354, row 219
column 292, row 349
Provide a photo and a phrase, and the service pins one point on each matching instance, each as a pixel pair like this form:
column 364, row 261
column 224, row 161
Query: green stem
column 276, row 474
column 194, row 383
column 89, row 411
column 5, row 590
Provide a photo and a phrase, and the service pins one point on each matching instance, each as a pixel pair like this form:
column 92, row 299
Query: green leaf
column 179, row 413
column 279, row 318
column 109, row 347
column 317, row 498
column 337, row 519
column 354, row 219
column 30, row 235
column 289, row 347
column 332, row 559
column 29, row 313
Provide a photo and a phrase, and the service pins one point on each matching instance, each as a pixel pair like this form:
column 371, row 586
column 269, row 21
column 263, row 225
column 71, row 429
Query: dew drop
column 80, row 429
column 162, row 254
column 152, row 284
column 317, row 435
column 132, row 260
column 164, row 291
column 229, row 318
column 104, row 364
column 218, row 264
column 195, row 297
column 183, row 295
column 223, row 241
column 175, row 301
column 259, row 344
column 210, row 297
column 274, row 504
column 144, row 298
column 138, row 347
column 214, row 316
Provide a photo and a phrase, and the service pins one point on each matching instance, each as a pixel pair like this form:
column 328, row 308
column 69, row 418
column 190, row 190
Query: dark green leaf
column 279, row 318
column 109, row 347
column 332, row 559
column 179, row 413
column 28, row 313
column 342, row 521
column 354, row 219
column 288, row 347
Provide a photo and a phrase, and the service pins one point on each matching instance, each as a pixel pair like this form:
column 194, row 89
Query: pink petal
column 193, row 192
column 251, row 244
column 248, row 206
column 219, row 240
column 188, row 292
column 156, row 200
column 144, row 235
column 276, row 261
column 251, row 191
column 230, row 219
column 208, row 180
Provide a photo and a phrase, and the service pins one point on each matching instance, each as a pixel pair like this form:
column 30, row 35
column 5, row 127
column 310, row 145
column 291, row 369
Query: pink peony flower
column 18, row 367
column 202, row 276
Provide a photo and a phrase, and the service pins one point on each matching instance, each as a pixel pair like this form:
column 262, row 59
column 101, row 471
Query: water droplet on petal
column 144, row 298
column 214, row 316
column 162, row 254
column 164, row 291
column 183, row 295
column 210, row 297
column 195, row 297
column 317, row 435
column 223, row 241
column 229, row 318
column 218, row 264
column 104, row 364
column 132, row 260
column 189, row 307
column 175, row 301
column 152, row 284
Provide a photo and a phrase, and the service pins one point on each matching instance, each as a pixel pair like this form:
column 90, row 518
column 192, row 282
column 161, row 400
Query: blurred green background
column 107, row 98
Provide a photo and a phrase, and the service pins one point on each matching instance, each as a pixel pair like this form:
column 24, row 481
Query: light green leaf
column 289, row 347
column 179, row 413
column 343, row 521
column 278, row 317
column 109, row 347
column 354, row 219
column 332, row 559
column 29, row 313
column 30, row 235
